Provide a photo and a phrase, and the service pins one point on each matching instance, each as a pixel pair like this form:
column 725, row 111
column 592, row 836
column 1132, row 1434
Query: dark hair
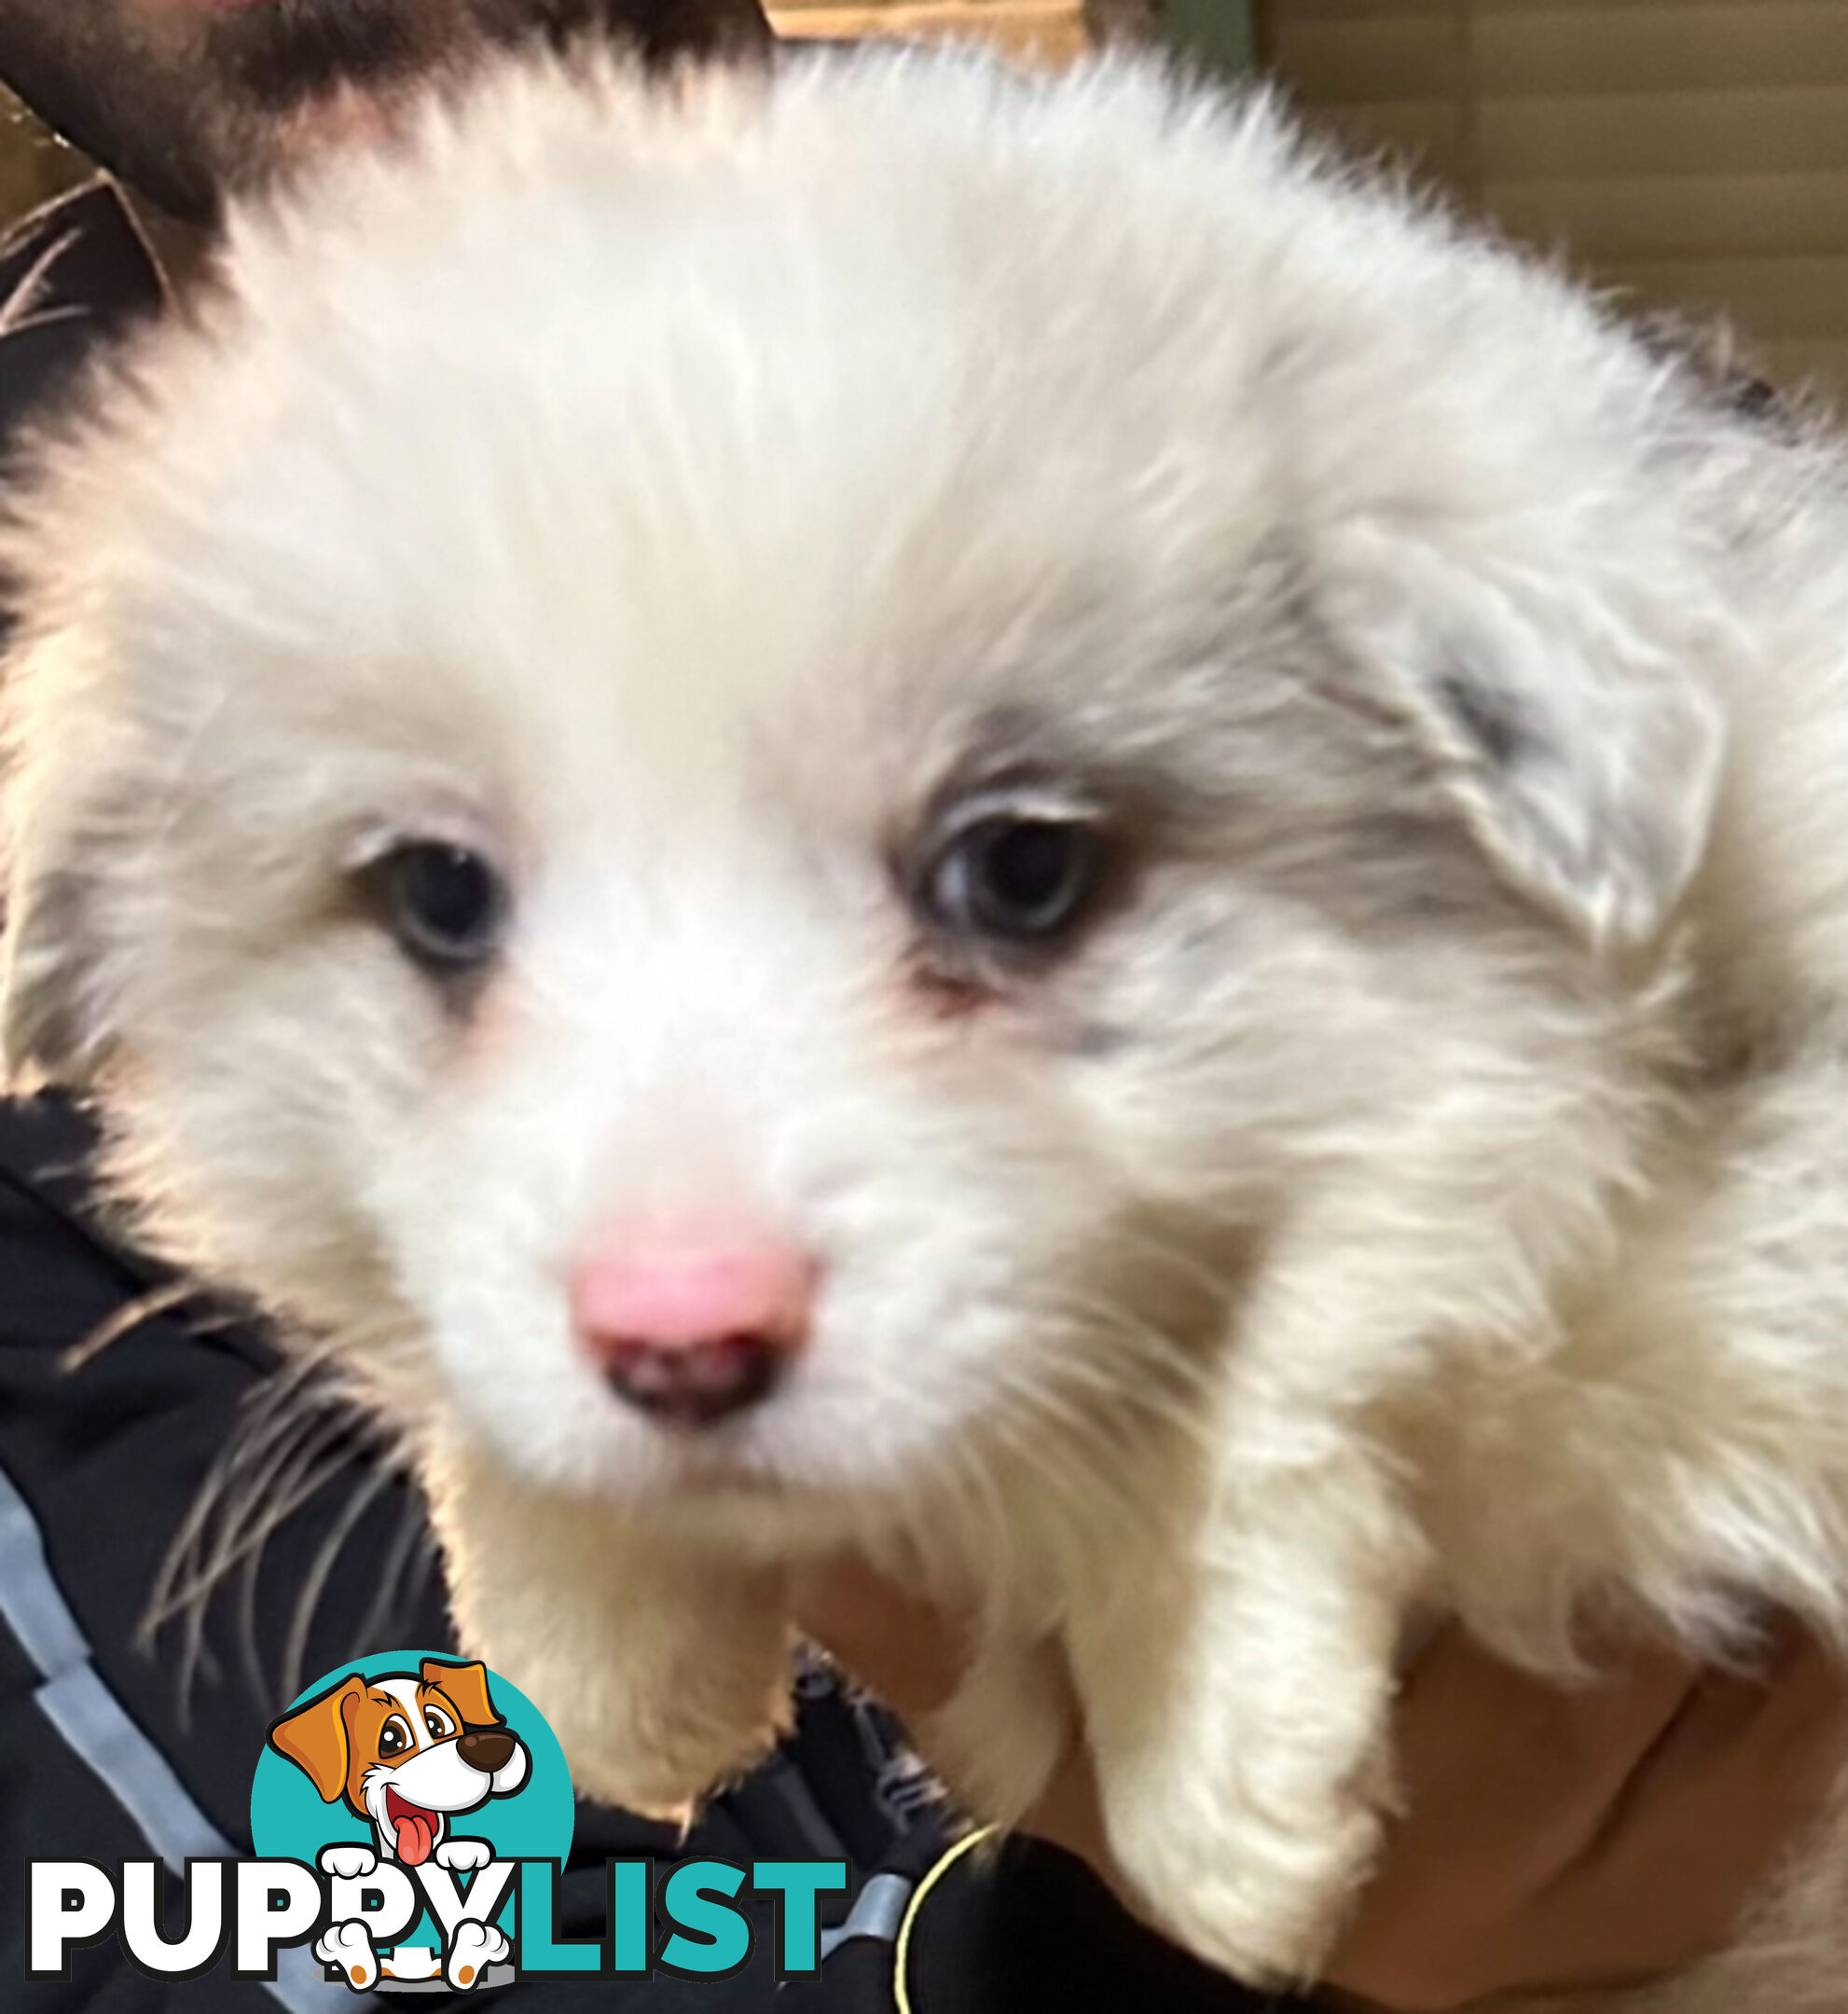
column 282, row 55
column 177, row 105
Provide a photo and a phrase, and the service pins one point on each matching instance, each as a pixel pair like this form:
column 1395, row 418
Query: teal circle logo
column 403, row 1778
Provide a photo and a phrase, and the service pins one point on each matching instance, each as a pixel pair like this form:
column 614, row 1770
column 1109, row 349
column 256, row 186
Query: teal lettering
column 540, row 1950
column 798, row 1884
column 628, row 1918
column 720, row 1937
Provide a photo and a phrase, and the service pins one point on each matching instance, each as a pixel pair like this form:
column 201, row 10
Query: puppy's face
column 663, row 666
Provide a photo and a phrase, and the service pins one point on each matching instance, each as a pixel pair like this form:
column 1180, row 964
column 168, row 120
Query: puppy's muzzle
column 695, row 1327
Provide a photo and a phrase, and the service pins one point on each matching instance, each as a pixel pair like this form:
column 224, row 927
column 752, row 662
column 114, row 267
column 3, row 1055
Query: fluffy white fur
column 1422, row 1190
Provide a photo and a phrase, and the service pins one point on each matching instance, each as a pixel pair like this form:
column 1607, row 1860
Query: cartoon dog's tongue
column 415, row 1827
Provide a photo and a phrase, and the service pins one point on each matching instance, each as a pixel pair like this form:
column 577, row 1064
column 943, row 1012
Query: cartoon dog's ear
column 467, row 1686
column 314, row 1737
column 1563, row 714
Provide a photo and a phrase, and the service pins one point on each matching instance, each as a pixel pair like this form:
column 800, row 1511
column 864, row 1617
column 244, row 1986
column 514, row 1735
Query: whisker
column 413, row 1530
column 296, row 1434
column 309, row 1484
column 125, row 1321
column 207, row 1501
column 248, row 1518
column 363, row 1496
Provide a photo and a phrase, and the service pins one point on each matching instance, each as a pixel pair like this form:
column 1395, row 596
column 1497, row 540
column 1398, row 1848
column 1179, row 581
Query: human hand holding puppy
column 1551, row 1840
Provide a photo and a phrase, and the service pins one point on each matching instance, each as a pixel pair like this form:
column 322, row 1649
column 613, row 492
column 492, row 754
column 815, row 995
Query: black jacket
column 118, row 1743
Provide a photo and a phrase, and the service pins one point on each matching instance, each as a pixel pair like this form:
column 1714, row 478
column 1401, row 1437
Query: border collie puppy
column 994, row 822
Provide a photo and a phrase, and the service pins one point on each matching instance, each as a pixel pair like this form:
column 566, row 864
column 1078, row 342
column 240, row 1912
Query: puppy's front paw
column 349, row 1946
column 1261, row 1898
column 1000, row 1739
column 473, row 1948
column 348, row 1863
column 464, row 1855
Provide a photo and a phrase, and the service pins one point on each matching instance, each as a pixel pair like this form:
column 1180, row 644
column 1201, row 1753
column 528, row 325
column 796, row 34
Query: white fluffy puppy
column 982, row 820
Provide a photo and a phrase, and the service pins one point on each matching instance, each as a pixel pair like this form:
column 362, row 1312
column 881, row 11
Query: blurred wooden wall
column 1039, row 31
column 33, row 165
column 1689, row 153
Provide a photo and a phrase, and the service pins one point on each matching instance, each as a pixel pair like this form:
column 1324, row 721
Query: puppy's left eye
column 446, row 905
column 1017, row 879
column 441, row 1727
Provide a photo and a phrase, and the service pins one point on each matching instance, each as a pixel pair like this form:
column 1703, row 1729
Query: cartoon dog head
column 406, row 1750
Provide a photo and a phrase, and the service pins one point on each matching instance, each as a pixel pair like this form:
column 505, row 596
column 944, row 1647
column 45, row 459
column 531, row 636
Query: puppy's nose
column 487, row 1749
column 690, row 1332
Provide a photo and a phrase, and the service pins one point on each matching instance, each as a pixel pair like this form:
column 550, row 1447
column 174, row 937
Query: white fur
column 1422, row 1190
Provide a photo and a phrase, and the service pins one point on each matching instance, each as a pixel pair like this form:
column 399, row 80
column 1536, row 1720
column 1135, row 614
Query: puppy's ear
column 1563, row 716
column 316, row 1737
column 466, row 1686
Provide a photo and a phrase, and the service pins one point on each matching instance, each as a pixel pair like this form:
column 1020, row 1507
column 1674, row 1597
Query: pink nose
column 691, row 1330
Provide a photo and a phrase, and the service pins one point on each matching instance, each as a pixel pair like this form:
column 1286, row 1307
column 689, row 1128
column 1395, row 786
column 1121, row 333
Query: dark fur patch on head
column 1712, row 355
column 1490, row 720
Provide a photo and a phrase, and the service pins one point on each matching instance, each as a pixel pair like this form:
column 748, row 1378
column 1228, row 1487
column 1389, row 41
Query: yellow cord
column 902, row 1954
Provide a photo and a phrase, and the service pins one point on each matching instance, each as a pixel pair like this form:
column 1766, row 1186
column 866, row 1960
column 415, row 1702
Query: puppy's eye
column 445, row 904
column 441, row 1727
column 393, row 1737
column 1016, row 879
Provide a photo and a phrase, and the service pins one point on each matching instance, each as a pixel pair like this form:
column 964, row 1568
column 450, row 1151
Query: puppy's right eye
column 393, row 1737
column 444, row 903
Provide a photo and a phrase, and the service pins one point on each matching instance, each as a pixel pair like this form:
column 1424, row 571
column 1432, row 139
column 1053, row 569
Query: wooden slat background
column 33, row 165
column 1039, row 31
column 1694, row 152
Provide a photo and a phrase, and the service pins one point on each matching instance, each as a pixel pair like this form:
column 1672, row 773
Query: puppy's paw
column 999, row 1741
column 349, row 1863
column 464, row 1855
column 473, row 1949
column 349, row 1946
column 1259, row 1899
